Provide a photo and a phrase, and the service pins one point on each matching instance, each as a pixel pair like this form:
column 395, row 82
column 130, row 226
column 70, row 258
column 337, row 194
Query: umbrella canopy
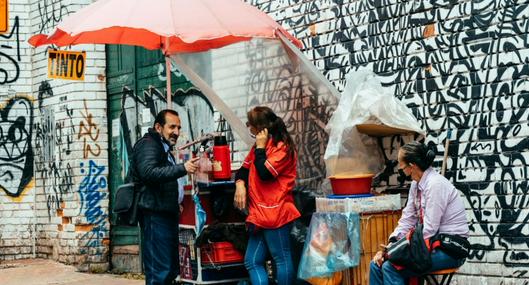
column 175, row 26
column 171, row 25
column 250, row 55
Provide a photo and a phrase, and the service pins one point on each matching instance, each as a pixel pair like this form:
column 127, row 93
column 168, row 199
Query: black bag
column 411, row 252
column 398, row 252
column 126, row 204
column 456, row 246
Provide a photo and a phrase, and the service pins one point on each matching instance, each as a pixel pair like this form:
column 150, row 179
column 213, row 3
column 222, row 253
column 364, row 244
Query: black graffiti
column 57, row 181
column 304, row 110
column 10, row 71
column 129, row 118
column 16, row 153
column 53, row 144
column 456, row 64
column 45, row 91
column 51, row 12
column 64, row 133
column 45, row 136
column 53, row 137
column 189, row 100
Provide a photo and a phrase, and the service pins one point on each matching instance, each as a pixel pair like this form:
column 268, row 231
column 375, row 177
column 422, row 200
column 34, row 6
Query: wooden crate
column 375, row 229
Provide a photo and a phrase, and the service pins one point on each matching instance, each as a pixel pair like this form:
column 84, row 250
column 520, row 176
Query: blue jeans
column 160, row 248
column 277, row 243
column 388, row 275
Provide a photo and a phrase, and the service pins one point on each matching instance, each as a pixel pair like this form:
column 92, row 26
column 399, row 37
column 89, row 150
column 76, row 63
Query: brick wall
column 55, row 197
column 458, row 65
column 16, row 156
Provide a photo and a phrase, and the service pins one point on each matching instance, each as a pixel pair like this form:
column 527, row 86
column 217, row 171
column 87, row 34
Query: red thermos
column 221, row 159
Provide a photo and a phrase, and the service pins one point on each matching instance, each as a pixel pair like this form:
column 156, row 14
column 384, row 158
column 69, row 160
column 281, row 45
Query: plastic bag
column 200, row 214
column 332, row 245
column 364, row 100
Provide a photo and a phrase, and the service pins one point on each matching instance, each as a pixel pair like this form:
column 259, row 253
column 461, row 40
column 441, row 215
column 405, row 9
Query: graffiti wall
column 16, row 148
column 53, row 146
column 458, row 65
column 16, row 176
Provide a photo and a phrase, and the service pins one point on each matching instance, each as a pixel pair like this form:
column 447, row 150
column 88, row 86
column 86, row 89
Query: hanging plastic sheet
column 332, row 245
column 267, row 72
column 364, row 101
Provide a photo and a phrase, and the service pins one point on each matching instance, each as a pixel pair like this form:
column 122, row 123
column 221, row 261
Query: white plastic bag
column 364, row 101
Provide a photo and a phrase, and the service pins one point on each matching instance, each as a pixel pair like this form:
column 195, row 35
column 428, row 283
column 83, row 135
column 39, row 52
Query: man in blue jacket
column 155, row 169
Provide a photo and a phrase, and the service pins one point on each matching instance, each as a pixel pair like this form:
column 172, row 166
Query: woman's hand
column 239, row 200
column 379, row 258
column 261, row 138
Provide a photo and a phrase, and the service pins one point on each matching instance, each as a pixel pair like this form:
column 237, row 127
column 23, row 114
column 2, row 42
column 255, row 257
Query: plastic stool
column 447, row 274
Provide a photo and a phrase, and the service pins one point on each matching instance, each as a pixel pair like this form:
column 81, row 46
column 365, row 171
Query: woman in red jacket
column 265, row 181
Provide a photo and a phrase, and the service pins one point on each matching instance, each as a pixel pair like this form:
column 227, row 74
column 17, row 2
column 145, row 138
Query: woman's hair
column 418, row 154
column 263, row 117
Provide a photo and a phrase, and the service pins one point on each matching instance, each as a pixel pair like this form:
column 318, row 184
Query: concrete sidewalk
column 48, row 272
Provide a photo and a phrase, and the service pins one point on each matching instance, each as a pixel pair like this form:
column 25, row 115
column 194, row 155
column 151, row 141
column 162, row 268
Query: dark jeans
column 160, row 248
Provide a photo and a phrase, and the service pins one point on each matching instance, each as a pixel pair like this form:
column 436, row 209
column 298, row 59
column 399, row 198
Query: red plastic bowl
column 351, row 184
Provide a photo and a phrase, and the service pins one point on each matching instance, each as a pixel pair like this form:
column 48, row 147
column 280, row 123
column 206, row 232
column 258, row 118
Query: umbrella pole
column 236, row 124
column 168, row 75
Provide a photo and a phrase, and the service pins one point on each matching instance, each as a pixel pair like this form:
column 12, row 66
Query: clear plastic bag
column 332, row 245
column 364, row 101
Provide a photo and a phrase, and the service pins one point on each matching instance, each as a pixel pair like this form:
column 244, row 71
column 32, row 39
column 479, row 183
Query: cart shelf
column 375, row 130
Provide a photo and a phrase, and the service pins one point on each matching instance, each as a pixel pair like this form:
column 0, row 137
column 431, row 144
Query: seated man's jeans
column 389, row 275
column 160, row 248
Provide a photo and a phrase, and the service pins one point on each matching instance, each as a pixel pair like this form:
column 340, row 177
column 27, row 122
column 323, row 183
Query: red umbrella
column 171, row 25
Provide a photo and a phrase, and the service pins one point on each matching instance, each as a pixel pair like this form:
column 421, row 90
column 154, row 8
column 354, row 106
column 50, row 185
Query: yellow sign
column 66, row 64
column 3, row 16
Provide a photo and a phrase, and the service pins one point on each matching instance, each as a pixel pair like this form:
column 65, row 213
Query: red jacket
column 271, row 204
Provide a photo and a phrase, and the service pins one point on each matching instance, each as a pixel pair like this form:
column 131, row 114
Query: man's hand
column 261, row 138
column 379, row 258
column 239, row 199
column 191, row 165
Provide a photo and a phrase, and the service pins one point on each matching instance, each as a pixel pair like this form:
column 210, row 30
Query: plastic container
column 220, row 253
column 351, row 184
column 371, row 204
column 221, row 159
column 355, row 196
